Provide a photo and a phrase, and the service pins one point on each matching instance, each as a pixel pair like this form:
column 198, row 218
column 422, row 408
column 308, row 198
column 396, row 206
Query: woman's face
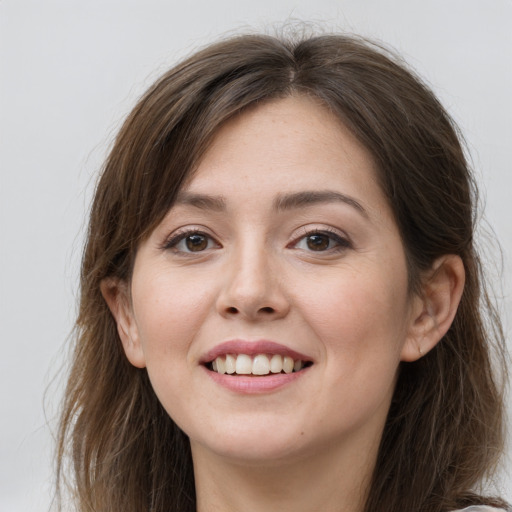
column 280, row 251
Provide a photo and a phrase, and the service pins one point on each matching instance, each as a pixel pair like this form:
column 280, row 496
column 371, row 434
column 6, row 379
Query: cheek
column 361, row 315
column 168, row 313
column 361, row 322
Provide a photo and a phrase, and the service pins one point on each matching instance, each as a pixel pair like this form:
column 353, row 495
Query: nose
column 252, row 287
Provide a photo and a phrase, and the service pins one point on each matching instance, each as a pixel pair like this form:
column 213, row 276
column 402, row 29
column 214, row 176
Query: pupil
column 318, row 242
column 196, row 243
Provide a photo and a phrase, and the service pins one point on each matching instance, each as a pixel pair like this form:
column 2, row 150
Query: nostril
column 232, row 310
column 267, row 310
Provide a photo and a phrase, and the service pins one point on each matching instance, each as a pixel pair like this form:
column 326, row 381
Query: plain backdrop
column 71, row 70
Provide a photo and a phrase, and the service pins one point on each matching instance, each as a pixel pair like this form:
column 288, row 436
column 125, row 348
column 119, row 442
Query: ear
column 117, row 296
column 434, row 310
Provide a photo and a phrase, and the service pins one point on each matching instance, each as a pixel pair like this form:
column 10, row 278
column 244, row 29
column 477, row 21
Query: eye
column 191, row 241
column 322, row 241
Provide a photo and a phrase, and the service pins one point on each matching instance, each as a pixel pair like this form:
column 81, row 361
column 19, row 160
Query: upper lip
column 251, row 348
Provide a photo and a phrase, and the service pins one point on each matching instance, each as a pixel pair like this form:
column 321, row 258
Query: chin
column 256, row 455
column 253, row 445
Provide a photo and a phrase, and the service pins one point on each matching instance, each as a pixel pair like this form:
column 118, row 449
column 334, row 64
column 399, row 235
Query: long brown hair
column 444, row 432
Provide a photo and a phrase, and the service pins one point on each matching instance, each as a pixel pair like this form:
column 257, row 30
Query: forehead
column 286, row 146
column 286, row 129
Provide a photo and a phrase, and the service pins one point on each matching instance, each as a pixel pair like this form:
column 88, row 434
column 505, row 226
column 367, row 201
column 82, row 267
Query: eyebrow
column 309, row 198
column 282, row 202
column 202, row 201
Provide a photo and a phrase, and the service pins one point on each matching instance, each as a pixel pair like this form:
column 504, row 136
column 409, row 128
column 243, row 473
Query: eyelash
column 173, row 242
column 341, row 243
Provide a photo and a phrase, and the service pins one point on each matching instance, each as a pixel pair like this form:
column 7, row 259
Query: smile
column 259, row 364
column 255, row 358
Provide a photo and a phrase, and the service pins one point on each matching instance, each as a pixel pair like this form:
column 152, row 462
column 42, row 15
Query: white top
column 480, row 508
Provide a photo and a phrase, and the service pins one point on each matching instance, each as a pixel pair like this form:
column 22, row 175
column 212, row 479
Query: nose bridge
column 250, row 287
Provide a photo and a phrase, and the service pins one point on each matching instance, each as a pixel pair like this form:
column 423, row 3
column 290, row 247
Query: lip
column 255, row 384
column 252, row 348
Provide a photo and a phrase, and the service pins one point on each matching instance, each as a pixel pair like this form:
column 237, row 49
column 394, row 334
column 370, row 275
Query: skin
column 311, row 444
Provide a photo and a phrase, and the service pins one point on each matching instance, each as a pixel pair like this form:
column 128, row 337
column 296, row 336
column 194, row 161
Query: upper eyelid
column 311, row 229
column 179, row 234
column 343, row 240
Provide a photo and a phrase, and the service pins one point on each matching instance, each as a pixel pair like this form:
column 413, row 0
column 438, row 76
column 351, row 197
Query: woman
column 281, row 302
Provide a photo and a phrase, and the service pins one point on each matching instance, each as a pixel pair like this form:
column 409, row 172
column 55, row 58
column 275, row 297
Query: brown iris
column 196, row 243
column 318, row 242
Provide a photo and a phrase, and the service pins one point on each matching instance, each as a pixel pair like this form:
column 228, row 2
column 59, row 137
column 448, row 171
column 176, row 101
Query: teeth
column 221, row 365
column 287, row 364
column 230, row 364
column 243, row 364
column 261, row 364
column 276, row 364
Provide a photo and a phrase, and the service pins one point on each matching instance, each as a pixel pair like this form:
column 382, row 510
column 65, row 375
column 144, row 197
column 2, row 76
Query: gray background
column 70, row 71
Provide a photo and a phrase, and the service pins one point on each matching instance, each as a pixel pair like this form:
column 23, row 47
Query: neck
column 324, row 480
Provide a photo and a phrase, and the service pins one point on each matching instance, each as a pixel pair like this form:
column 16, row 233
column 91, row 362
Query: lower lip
column 255, row 384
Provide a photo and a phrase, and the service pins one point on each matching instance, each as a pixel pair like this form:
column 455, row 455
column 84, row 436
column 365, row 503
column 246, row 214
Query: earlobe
column 116, row 295
column 434, row 311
